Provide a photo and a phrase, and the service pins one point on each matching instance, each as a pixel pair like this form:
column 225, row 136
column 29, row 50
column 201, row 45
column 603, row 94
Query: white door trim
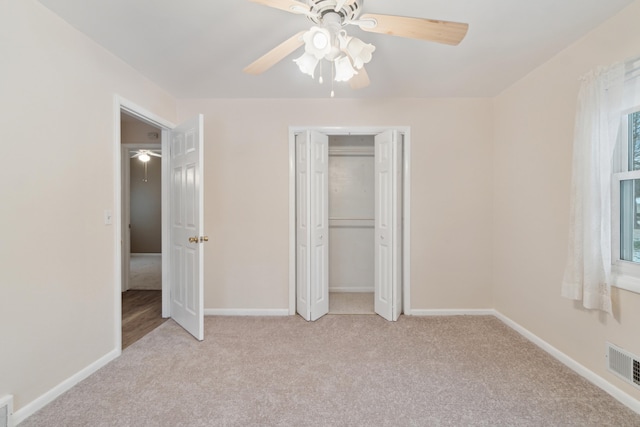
column 123, row 105
column 406, row 202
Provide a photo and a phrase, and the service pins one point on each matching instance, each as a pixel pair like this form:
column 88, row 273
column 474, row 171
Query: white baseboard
column 246, row 312
column 619, row 395
column 42, row 401
column 453, row 312
column 355, row 289
column 145, row 254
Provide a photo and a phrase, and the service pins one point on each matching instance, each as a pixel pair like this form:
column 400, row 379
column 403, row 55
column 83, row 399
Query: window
column 603, row 229
column 626, row 205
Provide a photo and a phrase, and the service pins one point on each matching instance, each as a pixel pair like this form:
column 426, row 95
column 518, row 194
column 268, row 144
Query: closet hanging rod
column 351, row 219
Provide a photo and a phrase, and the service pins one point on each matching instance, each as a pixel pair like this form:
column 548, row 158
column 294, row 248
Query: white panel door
column 312, row 224
column 388, row 225
column 319, row 221
column 303, row 234
column 187, row 226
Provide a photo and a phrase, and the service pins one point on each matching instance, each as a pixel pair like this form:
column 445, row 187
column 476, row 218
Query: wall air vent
column 624, row 364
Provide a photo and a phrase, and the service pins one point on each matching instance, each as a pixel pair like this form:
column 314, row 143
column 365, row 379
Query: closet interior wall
column 351, row 213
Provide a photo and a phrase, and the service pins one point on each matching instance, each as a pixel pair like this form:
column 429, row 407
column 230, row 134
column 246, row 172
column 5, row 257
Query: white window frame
column 624, row 274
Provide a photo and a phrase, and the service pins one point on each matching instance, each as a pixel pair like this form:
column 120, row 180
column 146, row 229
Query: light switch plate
column 107, row 217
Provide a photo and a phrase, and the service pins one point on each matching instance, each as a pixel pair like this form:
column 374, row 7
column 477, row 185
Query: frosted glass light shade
column 144, row 157
column 307, row 63
column 344, row 69
column 359, row 51
column 320, row 40
column 317, row 42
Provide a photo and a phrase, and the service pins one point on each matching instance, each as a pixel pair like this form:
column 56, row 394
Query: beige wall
column 247, row 194
column 134, row 131
column 57, row 281
column 534, row 122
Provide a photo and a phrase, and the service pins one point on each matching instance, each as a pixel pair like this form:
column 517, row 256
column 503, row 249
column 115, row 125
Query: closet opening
column 349, row 223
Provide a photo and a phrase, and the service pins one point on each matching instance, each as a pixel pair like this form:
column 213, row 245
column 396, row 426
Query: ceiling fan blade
column 151, row 153
column 275, row 55
column 136, row 155
column 445, row 32
column 292, row 6
column 360, row 80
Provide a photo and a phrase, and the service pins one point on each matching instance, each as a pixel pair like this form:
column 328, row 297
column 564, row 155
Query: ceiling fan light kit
column 347, row 55
column 145, row 156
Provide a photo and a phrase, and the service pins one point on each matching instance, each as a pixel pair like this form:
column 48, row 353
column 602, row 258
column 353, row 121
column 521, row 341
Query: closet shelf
column 345, row 222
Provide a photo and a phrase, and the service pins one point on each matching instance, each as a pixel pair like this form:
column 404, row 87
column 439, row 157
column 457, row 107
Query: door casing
column 406, row 202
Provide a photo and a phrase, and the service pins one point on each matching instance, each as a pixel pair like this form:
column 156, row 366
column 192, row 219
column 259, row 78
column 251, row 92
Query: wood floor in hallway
column 141, row 314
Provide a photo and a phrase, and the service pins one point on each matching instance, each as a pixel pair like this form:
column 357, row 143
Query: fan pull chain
column 333, row 79
column 145, row 173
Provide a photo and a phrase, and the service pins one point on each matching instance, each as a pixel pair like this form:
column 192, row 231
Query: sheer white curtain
column 587, row 276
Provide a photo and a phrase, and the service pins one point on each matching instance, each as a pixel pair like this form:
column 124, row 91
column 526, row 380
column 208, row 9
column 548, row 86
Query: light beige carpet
column 351, row 303
column 338, row 371
column 145, row 272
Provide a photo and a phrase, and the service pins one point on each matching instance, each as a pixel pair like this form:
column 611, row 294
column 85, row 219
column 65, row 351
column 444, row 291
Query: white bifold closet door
column 312, row 224
column 388, row 224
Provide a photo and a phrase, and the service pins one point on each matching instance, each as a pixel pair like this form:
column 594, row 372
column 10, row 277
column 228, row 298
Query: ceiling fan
column 144, row 155
column 328, row 40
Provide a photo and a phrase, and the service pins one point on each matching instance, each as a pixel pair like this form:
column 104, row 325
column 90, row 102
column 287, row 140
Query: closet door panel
column 312, row 225
column 388, row 225
column 303, row 260
column 319, row 218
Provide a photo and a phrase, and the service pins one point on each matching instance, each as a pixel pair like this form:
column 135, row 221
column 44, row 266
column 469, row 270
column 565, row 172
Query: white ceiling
column 198, row 48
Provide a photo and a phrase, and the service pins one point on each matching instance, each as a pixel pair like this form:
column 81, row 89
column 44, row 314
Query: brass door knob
column 193, row 239
column 204, row 239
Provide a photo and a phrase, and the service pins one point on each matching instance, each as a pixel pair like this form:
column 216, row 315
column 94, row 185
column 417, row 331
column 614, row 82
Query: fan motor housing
column 349, row 11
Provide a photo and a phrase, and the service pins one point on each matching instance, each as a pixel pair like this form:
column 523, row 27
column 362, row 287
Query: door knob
column 193, row 239
column 204, row 239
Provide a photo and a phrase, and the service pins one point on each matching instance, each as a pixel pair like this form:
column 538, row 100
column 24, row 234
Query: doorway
column 142, row 228
column 182, row 218
column 349, row 221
